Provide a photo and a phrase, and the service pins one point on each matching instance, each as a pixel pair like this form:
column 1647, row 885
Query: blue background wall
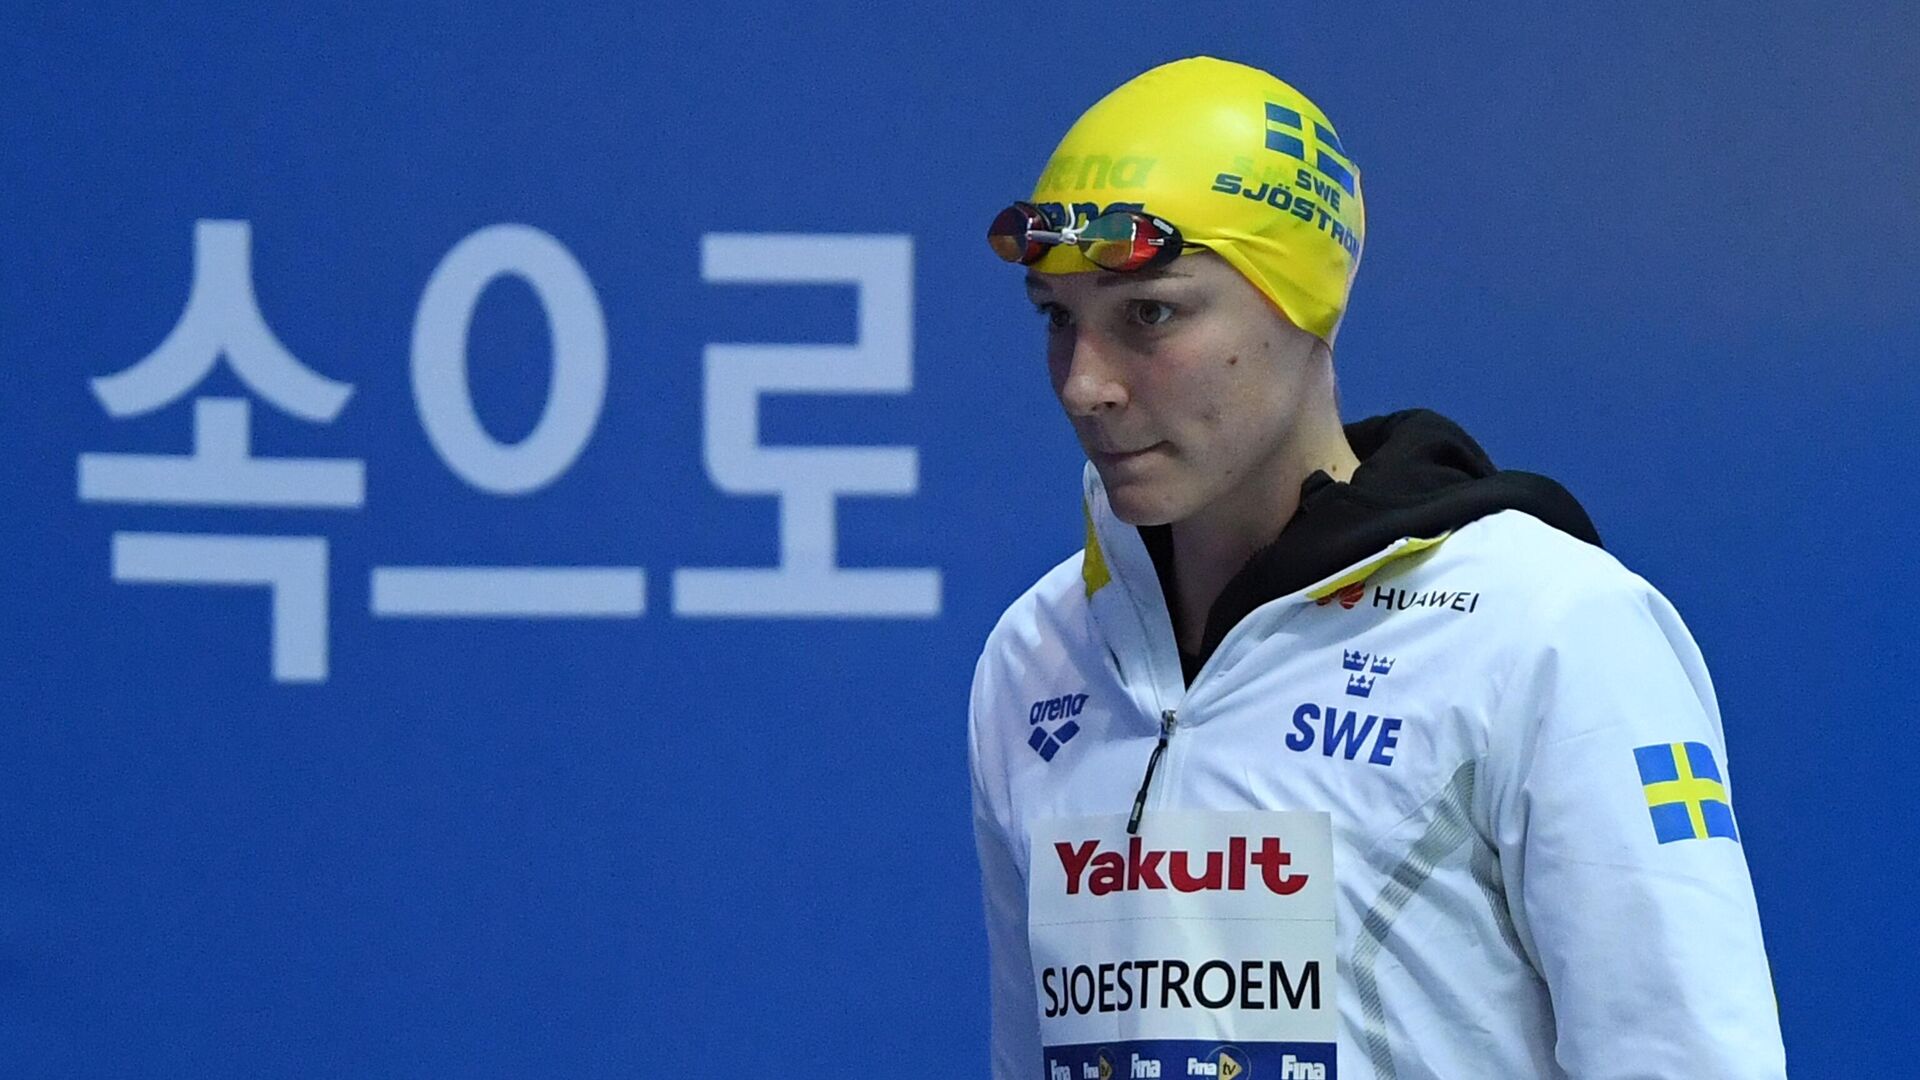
column 1666, row 253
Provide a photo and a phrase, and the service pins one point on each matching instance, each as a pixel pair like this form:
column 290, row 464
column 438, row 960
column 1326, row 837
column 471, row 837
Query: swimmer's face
column 1184, row 385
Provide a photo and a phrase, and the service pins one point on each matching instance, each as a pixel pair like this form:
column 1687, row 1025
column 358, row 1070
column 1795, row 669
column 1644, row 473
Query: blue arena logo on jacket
column 1046, row 742
column 1686, row 794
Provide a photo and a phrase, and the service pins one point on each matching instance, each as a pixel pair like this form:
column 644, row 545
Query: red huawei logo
column 1348, row 596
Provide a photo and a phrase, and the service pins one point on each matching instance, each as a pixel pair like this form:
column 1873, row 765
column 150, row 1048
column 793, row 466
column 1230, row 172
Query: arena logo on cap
column 1096, row 172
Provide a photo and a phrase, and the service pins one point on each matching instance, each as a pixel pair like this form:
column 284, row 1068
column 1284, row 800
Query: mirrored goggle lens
column 1011, row 237
column 1128, row 241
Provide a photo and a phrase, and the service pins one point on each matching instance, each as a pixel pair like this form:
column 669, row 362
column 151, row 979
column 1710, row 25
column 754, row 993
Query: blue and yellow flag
column 1685, row 792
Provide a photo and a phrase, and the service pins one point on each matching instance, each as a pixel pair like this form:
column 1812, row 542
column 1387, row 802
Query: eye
column 1057, row 317
column 1149, row 312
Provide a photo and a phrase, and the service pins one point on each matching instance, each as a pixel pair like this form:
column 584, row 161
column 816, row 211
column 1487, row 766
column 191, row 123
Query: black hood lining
column 1420, row 475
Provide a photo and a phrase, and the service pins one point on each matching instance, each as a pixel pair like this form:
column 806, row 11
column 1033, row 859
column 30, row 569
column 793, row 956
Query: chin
column 1140, row 504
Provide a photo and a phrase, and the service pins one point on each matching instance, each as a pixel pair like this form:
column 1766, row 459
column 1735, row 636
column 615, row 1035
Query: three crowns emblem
column 1369, row 668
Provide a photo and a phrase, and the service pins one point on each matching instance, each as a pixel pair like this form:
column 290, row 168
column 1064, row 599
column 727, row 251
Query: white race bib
column 1201, row 947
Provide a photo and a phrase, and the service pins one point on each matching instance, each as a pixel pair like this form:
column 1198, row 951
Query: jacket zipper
column 1168, row 720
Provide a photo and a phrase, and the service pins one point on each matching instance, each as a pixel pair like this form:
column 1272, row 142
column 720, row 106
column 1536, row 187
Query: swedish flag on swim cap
column 1238, row 161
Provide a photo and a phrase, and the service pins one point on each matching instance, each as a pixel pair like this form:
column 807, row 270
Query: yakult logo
column 1102, row 872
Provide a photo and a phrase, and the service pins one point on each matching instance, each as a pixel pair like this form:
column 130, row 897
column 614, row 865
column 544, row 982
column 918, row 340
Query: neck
column 1211, row 546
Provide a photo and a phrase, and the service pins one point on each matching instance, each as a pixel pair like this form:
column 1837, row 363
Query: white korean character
column 222, row 319
column 809, row 480
column 577, row 391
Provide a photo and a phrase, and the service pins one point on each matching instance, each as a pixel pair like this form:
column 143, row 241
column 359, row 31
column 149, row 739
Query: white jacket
column 1536, row 872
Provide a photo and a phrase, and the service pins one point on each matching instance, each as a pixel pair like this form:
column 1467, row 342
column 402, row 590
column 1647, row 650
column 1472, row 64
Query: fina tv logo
column 1047, row 742
column 1225, row 1062
column 1103, row 1068
column 1100, row 1068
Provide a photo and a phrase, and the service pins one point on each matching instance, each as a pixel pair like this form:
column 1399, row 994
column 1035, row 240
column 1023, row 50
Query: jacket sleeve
column 1014, row 1049
column 1610, row 804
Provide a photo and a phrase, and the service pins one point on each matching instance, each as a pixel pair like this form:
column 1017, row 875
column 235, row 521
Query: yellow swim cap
column 1238, row 161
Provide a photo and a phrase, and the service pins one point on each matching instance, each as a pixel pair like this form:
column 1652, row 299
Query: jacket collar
column 1129, row 609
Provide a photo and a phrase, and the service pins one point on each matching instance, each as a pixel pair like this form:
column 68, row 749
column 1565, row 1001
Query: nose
column 1087, row 379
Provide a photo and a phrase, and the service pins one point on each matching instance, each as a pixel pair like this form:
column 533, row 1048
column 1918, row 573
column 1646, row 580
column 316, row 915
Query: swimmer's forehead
column 1039, row 282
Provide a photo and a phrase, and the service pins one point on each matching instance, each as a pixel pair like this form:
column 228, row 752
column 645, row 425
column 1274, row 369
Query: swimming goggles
column 1123, row 241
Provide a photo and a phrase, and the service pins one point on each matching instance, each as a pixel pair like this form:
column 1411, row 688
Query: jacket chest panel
column 1368, row 725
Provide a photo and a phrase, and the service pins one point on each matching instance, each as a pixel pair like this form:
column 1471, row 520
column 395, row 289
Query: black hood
column 1419, row 475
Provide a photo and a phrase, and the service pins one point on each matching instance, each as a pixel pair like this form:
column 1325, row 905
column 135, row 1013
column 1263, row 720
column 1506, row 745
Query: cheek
column 1214, row 393
column 1059, row 360
column 1235, row 404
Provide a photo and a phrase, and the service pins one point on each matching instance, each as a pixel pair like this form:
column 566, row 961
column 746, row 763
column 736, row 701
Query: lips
column 1116, row 457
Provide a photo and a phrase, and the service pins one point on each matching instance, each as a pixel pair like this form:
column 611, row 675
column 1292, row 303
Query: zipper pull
column 1167, row 721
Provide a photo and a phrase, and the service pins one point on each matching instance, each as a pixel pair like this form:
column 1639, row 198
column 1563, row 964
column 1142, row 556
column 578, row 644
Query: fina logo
column 1225, row 1062
column 1047, row 742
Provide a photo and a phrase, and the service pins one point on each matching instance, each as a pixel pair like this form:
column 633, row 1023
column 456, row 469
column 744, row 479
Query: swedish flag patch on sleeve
column 1685, row 792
